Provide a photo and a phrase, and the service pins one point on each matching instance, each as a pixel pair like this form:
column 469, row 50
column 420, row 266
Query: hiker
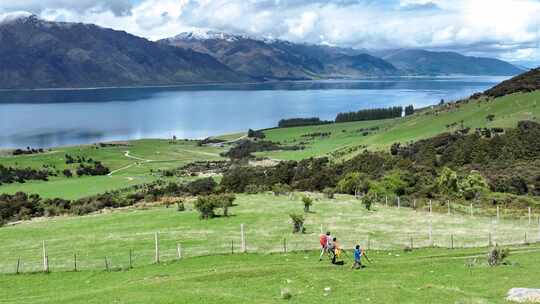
column 335, row 250
column 358, row 253
column 324, row 240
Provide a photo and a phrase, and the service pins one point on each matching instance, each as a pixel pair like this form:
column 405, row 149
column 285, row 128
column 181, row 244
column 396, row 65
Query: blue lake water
column 67, row 117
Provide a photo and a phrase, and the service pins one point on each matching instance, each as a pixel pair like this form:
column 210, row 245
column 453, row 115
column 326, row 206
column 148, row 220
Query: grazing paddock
column 112, row 234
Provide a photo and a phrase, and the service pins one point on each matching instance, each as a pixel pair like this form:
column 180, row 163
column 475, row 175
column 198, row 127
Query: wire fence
column 425, row 224
column 115, row 255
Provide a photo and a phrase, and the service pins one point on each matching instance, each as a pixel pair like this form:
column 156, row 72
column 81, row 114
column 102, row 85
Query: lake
column 49, row 118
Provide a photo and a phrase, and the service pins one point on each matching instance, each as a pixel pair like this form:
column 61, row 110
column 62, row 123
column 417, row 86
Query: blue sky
column 506, row 29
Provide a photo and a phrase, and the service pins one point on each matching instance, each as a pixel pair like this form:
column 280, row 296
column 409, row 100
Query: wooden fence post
column 449, row 209
column 472, row 214
column 525, row 238
column 156, row 240
column 414, row 204
column 398, row 202
column 411, row 241
column 530, row 216
column 130, row 259
column 498, row 214
column 106, row 264
column 386, row 201
column 179, row 251
column 18, row 265
column 45, row 259
column 430, row 208
column 242, row 238
column 430, row 233
column 284, row 245
column 452, row 241
column 75, row 262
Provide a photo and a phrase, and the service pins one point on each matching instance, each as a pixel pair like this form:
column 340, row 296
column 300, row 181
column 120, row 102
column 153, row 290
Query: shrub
column 67, row 173
column 329, row 192
column 180, row 207
column 353, row 182
column 298, row 223
column 496, row 256
column 202, row 186
column 473, row 186
column 368, row 200
column 308, row 201
column 205, row 205
column 281, row 189
column 254, row 189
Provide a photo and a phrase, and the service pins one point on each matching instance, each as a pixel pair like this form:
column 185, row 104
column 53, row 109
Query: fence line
column 166, row 252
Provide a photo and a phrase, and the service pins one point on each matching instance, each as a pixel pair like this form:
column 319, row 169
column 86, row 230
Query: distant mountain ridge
column 526, row 82
column 278, row 59
column 266, row 59
column 40, row 54
column 422, row 62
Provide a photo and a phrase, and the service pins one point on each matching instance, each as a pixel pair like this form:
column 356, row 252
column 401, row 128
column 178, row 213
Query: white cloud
column 504, row 28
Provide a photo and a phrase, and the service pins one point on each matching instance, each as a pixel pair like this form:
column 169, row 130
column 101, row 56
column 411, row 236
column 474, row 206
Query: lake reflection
column 66, row 117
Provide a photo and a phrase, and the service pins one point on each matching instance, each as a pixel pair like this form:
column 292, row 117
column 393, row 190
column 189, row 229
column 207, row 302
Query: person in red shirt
column 324, row 240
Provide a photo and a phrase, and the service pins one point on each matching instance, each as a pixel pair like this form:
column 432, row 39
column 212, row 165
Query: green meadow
column 508, row 110
column 267, row 225
column 420, row 276
column 131, row 163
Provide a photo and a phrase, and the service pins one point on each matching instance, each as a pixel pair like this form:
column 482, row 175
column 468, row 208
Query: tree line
column 374, row 114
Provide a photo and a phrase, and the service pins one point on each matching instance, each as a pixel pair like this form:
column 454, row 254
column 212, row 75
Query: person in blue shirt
column 357, row 257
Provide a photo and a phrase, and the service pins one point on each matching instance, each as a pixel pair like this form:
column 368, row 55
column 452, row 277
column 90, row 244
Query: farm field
column 267, row 224
column 420, row 276
column 508, row 110
column 128, row 168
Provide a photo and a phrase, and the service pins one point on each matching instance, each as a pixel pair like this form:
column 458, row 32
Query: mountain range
column 35, row 53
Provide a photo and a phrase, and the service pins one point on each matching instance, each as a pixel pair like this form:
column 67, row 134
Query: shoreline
column 214, row 84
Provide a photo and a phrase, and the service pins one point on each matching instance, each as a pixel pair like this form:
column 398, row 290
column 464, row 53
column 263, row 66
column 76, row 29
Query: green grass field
column 508, row 111
column 144, row 156
column 422, row 276
column 267, row 223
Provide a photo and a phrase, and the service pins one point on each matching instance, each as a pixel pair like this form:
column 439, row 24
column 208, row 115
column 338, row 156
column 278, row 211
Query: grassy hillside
column 267, row 222
column 127, row 169
column 348, row 137
column 424, row 276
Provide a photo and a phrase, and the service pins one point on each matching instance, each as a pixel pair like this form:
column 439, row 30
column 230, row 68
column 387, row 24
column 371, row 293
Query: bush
column 202, row 186
column 205, row 205
column 353, row 182
column 329, row 192
column 254, row 189
column 308, row 201
column 180, row 207
column 281, row 189
column 368, row 200
column 496, row 256
column 298, row 223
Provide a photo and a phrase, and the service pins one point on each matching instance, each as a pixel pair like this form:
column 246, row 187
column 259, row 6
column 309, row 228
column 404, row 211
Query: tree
column 353, row 183
column 205, row 205
column 298, row 223
column 368, row 200
column 308, row 201
column 473, row 185
column 447, row 182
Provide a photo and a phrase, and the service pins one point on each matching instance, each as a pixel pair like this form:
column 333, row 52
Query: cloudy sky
column 507, row 29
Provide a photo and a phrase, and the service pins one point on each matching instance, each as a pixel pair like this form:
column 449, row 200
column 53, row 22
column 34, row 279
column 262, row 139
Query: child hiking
column 358, row 253
column 335, row 250
column 324, row 240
